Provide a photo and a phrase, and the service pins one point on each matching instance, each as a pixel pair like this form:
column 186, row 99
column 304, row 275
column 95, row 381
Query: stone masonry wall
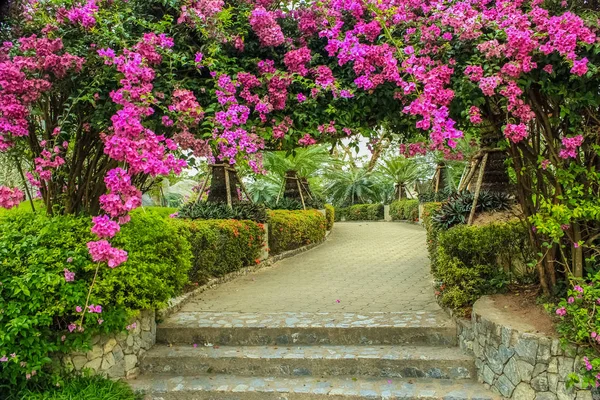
column 117, row 355
column 517, row 364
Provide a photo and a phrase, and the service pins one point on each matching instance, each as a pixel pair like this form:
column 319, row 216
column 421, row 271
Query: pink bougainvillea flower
column 78, row 309
column 102, row 251
column 578, row 288
column 100, row 321
column 3, row 359
column 561, row 311
column 72, row 327
column 69, row 276
column 10, row 198
column 94, row 309
column 571, row 300
column 338, row 301
column 104, row 227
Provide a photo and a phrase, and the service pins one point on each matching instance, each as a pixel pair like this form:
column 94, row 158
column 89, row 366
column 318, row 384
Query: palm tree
column 264, row 188
column 401, row 172
column 305, row 161
column 351, row 186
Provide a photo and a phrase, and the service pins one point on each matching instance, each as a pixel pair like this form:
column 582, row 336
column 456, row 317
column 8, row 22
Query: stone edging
column 175, row 304
column 514, row 362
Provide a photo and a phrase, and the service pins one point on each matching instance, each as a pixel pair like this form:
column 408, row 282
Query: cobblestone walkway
column 366, row 266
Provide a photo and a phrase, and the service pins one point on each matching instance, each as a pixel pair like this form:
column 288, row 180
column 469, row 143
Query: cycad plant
column 351, row 186
column 400, row 172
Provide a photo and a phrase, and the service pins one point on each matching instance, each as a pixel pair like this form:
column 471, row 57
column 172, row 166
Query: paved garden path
column 367, row 266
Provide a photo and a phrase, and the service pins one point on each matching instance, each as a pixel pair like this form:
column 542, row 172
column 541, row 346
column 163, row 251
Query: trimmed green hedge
column 472, row 261
column 360, row 212
column 221, row 246
column 38, row 303
column 330, row 216
column 289, row 230
column 405, row 210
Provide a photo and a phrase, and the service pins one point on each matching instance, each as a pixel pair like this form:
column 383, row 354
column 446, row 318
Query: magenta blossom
column 102, row 251
column 561, row 311
column 69, row 276
column 104, row 227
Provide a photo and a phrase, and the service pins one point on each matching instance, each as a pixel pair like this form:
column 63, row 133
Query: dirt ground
column 522, row 307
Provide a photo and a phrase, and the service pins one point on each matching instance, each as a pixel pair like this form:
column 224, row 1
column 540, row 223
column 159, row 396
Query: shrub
column 81, row 388
column 289, row 230
column 579, row 324
column 429, row 209
column 340, row 213
column 432, row 197
column 240, row 211
column 221, row 246
column 38, row 303
column 405, row 210
column 473, row 261
column 294, row 204
column 330, row 216
column 456, row 210
column 364, row 212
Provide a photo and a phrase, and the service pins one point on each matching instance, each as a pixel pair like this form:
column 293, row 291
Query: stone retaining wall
column 117, row 355
column 514, row 362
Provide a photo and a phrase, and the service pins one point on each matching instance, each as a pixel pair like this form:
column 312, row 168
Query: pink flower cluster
column 10, row 198
column 296, row 60
column 104, row 227
column 570, row 146
column 200, row 11
column 307, row 140
column 265, row 26
column 102, row 251
column 515, row 133
column 84, row 14
column 69, row 276
column 475, row 115
column 24, row 74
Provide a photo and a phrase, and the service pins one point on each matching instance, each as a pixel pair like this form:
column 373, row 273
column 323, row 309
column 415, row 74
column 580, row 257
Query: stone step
column 249, row 329
column 319, row 361
column 231, row 387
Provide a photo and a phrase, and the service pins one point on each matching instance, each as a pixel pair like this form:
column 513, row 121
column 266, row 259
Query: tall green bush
column 404, row 210
column 38, row 303
column 364, row 212
column 429, row 210
column 473, row 261
column 330, row 216
column 289, row 230
column 221, row 246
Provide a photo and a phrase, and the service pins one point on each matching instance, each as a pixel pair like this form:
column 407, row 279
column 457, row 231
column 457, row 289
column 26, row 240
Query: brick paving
column 362, row 267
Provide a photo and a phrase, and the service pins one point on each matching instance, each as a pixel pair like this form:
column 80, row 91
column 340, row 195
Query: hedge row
column 360, row 212
column 289, row 230
column 221, row 246
column 405, row 210
column 471, row 261
column 330, row 216
column 39, row 300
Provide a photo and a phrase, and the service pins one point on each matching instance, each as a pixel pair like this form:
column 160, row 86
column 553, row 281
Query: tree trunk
column 495, row 177
column 218, row 184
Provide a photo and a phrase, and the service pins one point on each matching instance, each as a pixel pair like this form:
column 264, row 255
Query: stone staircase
column 405, row 355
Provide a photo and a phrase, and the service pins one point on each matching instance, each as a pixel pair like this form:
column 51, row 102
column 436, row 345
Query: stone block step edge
column 172, row 387
column 374, row 361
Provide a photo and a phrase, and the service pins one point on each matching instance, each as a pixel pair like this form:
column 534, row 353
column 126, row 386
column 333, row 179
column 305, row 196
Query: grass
column 82, row 388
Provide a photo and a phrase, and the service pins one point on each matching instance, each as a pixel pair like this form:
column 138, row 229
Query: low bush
column 239, row 211
column 429, row 209
column 293, row 204
column 579, row 324
column 80, row 388
column 289, row 230
column 220, row 246
column 457, row 208
column 38, row 302
column 404, row 210
column 364, row 212
column 330, row 216
column 433, row 197
column 473, row 261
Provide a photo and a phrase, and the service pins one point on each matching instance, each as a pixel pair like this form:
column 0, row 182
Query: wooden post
column 473, row 168
column 229, row 202
column 244, row 190
column 204, row 183
column 300, row 190
column 478, row 188
column 438, row 174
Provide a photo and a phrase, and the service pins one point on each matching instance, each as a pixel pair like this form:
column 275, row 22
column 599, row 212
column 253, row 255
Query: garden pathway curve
column 366, row 266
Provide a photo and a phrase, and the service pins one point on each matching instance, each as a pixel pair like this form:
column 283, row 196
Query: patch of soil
column 513, row 214
column 520, row 305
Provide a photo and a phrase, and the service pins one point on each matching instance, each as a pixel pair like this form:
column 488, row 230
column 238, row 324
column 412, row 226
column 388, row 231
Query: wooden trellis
column 300, row 184
column 228, row 169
